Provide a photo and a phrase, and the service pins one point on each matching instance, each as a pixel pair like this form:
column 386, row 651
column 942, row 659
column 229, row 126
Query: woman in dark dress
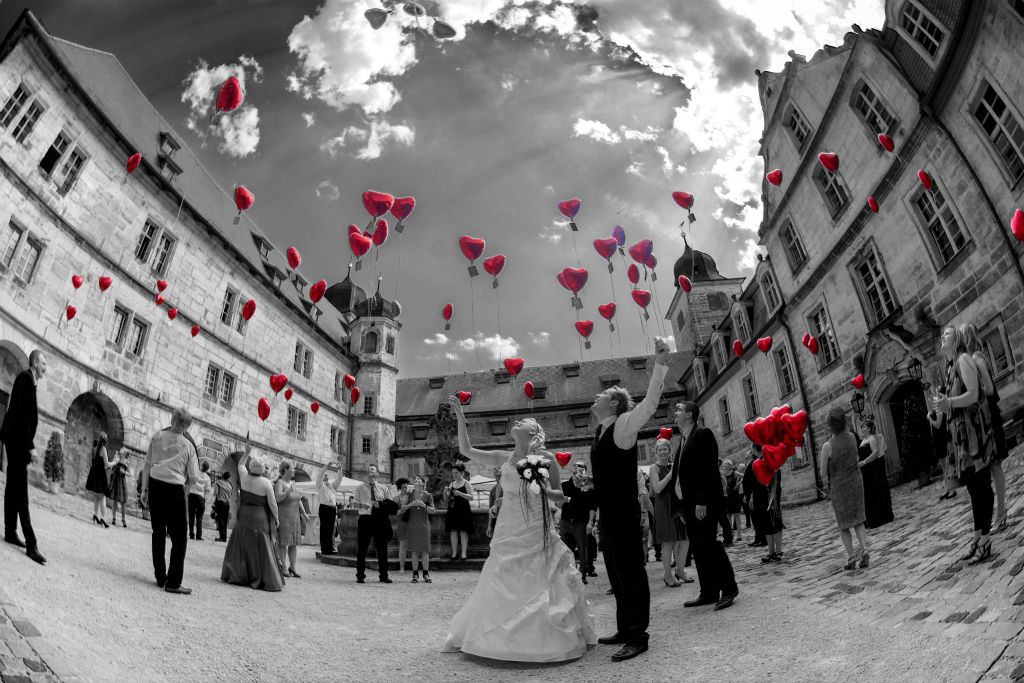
column 459, row 520
column 871, row 453
column 417, row 504
column 97, row 482
column 119, row 487
column 750, row 485
column 669, row 529
column 766, row 511
column 250, row 558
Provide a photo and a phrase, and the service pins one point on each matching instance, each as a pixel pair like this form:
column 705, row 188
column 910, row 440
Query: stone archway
column 908, row 411
column 12, row 361
column 89, row 414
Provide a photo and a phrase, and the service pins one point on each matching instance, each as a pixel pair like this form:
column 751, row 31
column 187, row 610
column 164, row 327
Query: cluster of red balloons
column 779, row 434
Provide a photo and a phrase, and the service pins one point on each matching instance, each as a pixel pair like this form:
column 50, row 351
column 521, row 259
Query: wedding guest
column 289, row 510
column 752, row 486
column 669, row 528
column 171, row 467
column 578, row 514
column 18, row 435
column 769, row 499
column 940, row 442
column 646, row 510
column 417, row 506
column 973, row 447
column 222, row 492
column 373, row 525
column 877, row 499
column 494, row 502
column 327, row 493
column 98, row 483
column 459, row 519
column 197, row 502
column 250, row 558
column 401, row 528
column 119, row 487
column 733, row 508
column 841, row 473
column 974, row 346
column 351, row 505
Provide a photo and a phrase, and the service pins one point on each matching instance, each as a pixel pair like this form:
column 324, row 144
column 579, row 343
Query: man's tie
column 600, row 431
column 373, row 492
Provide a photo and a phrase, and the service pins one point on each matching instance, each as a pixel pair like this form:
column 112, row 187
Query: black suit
column 18, row 435
column 695, row 470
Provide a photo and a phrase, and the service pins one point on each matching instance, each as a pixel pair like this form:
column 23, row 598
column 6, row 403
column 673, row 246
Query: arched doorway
column 909, row 412
column 12, row 362
column 90, row 413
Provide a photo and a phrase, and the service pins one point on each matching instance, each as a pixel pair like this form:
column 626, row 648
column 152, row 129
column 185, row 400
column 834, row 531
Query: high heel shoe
column 865, row 560
column 1003, row 524
column 96, row 519
column 672, row 585
column 104, row 523
column 426, row 577
column 985, row 552
column 851, row 564
column 971, row 549
column 292, row 572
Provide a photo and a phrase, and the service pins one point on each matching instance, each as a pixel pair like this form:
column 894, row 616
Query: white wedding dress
column 530, row 604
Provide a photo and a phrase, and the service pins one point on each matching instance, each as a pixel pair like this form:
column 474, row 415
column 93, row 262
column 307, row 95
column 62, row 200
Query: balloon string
column 497, row 297
column 472, row 315
column 398, row 277
column 657, row 309
column 578, row 262
column 616, row 302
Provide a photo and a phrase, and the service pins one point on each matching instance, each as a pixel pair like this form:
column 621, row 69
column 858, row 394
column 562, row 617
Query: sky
column 616, row 102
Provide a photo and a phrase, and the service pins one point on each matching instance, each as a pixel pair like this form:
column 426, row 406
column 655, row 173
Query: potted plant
column 53, row 463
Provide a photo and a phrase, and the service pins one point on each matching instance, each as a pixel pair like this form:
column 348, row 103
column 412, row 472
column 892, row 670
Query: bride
column 529, row 604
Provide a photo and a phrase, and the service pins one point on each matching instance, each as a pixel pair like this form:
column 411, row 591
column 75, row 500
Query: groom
column 613, row 458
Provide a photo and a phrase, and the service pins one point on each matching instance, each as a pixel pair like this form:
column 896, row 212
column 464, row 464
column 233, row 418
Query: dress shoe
column 386, row 580
column 591, row 573
column 160, row 583
column 726, row 600
column 616, row 639
column 700, row 601
column 360, row 580
column 178, row 590
column 610, row 591
column 36, row 556
column 15, row 541
column 584, row 579
column 628, row 652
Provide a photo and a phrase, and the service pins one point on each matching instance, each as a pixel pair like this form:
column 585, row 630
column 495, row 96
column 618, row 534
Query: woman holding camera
column 459, row 521
column 417, row 505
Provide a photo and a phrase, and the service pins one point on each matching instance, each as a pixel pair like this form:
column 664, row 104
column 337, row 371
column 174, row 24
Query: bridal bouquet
column 534, row 470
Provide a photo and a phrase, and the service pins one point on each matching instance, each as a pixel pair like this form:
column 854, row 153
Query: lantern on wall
column 857, row 403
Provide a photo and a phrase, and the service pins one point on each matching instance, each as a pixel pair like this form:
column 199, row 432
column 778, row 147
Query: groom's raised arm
column 629, row 424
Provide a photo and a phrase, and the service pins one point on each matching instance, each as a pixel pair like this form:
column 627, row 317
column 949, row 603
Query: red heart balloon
column 765, row 344
column 448, row 311
column 762, row 472
column 172, row 313
column 377, row 203
column 796, row 425
column 774, row 177
column 514, row 365
column 402, row 207
column 380, row 234
column 641, row 250
column 606, row 247
column 349, row 381
column 159, row 299
column 570, row 207
column 316, row 292
column 873, row 204
column 665, row 433
column 105, row 281
column 561, row 279
column 161, row 285
column 360, row 244
column 71, row 312
column 278, row 382
column 829, row 160
column 685, row 284
column 230, row 96
column 563, row 458
column 925, row 179
column 642, row 297
column 751, row 432
column 76, row 281
column 133, row 162
column 585, row 327
column 765, row 427
column 494, row 264
column 528, row 389
column 315, row 407
column 683, row 199
column 464, row 397
column 633, row 273
column 354, row 396
column 472, row 247
column 807, row 338
column 779, row 411
column 886, row 142
column 353, row 229
column 812, row 345
column 607, row 310
column 1017, row 225
column 737, row 348
column 288, row 394
column 195, row 330
column 249, row 309
column 575, row 278
column 367, row 233
column 651, row 261
column 858, row 381
column 774, row 455
column 619, row 233
column 294, row 258
column 243, row 198
column 263, row 409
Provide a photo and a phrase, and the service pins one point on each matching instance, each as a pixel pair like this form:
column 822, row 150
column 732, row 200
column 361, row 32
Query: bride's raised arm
column 490, row 458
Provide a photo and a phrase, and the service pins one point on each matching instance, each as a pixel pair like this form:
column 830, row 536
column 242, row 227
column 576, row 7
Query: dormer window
column 168, row 167
column 609, row 381
column 436, row 382
column 770, row 290
column 274, row 273
column 263, row 244
column 580, row 420
column 662, row 412
column 572, row 370
column 540, row 391
column 740, row 325
column 419, row 432
column 638, row 363
column 698, row 375
column 502, row 377
column 299, row 282
column 718, row 350
column 370, row 342
column 498, row 427
column 168, row 144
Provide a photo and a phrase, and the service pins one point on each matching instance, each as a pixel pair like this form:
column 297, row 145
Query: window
column 832, row 188
column 155, row 247
column 680, row 321
column 770, row 290
column 70, row 172
column 498, row 427
column 14, row 104
column 994, row 339
column 580, row 420
column 241, row 323
column 120, row 326
column 367, row 444
column 796, row 255
column 145, row 243
column 1003, row 130
column 609, row 381
column 419, row 432
column 370, row 342
column 9, row 243
column 303, row 360
column 539, row 391
column 797, row 126
column 784, row 372
column 25, row 264
column 946, row 234
column 368, row 405
column 165, row 245
column 389, row 347
column 698, row 375
column 750, row 396
column 874, row 286
column 638, row 363
column 339, row 385
column 137, row 335
column 571, row 370
column 922, row 29
column 436, row 382
column 227, row 389
column 502, row 377
column 55, row 153
column 337, row 439
column 820, row 326
column 723, row 414
column 872, row 110
column 718, row 301
column 227, row 309
column 128, row 332
column 739, row 323
column 212, row 381
column 297, row 423
column 717, row 350
column 28, row 122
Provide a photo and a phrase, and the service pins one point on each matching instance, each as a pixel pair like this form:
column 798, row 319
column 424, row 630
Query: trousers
column 623, row 552
column 16, row 501
column 168, row 513
column 328, row 514
column 369, row 529
column 196, row 510
column 979, row 487
column 222, row 510
column 574, row 535
column 714, row 571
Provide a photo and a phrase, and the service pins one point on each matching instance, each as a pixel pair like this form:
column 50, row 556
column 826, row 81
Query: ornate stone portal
column 443, row 457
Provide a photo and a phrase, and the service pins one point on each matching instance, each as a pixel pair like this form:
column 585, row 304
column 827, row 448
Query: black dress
column 732, row 494
column 877, row 501
column 459, row 517
column 765, row 508
column 97, row 480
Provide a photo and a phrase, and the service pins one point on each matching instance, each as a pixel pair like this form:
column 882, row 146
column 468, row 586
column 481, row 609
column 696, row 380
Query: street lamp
column 915, row 369
column 857, row 403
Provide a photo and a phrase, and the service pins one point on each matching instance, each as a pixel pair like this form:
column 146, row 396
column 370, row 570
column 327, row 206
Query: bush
column 53, row 463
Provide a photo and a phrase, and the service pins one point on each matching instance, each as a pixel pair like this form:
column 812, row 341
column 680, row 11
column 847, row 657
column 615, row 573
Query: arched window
column 370, row 342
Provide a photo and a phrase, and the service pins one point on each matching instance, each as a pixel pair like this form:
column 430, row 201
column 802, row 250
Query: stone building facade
column 876, row 289
column 70, row 116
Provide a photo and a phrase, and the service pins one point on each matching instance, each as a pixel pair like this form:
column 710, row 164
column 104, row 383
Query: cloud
column 439, row 339
column 636, row 168
column 649, row 134
column 667, row 166
column 309, row 118
column 596, row 131
column 372, row 140
column 553, row 232
column 328, row 190
column 236, row 133
column 540, row 338
column 496, row 346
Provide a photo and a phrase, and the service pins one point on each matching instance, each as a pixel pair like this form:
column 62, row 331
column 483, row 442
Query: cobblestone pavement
column 918, row 614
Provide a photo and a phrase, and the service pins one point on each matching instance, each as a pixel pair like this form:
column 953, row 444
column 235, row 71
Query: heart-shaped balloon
column 886, row 142
column 243, row 198
column 195, row 330
column 464, row 397
column 315, row 407
column 288, row 394
column 812, row 345
column 514, row 365
column 472, row 247
column 762, row 472
column 683, row 199
column 353, row 229
column 570, row 207
column 685, row 284
column 806, row 338
column 105, row 281
column 779, row 411
column 633, row 273
column 774, row 455
column 665, row 433
column 651, row 261
column 230, row 96
column 765, row 427
column 765, row 344
column 563, row 458
column 751, row 432
column 584, row 327
column 133, row 162
column 161, row 285
column 774, row 177
column 642, row 297
column 830, row 160
column 380, row 234
column 925, row 179
column 249, row 309
column 795, row 425
column 159, row 299
column 377, row 203
column 76, row 281
column 607, row 310
column 263, row 408
column 606, row 247
column 641, row 250
column 349, row 381
column 317, row 291
column 294, row 258
column 354, row 395
column 172, row 313
column 360, row 244
column 1017, row 225
column 561, row 279
column 528, row 389
column 70, row 312
column 278, row 382
column 448, row 311
column 494, row 264
column 575, row 278
column 619, row 233
column 858, row 381
column 402, row 207
column 737, row 348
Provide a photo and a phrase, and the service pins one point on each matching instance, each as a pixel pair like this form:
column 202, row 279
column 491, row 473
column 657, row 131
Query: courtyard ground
column 917, row 614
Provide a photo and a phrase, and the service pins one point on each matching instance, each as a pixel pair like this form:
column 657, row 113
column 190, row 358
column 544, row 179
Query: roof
column 110, row 89
column 695, row 265
column 416, row 398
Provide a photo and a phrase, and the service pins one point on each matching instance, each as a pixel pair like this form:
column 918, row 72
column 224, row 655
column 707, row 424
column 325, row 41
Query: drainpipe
column 803, row 397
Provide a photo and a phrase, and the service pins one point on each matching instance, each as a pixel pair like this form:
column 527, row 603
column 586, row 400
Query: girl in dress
column 877, row 500
column 289, row 533
column 669, row 529
column 418, row 505
column 459, row 520
column 119, row 487
column 249, row 559
column 529, row 604
column 402, row 525
column 97, row 482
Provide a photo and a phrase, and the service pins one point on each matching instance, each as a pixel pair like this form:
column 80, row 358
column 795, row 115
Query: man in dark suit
column 18, row 435
column 697, row 485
